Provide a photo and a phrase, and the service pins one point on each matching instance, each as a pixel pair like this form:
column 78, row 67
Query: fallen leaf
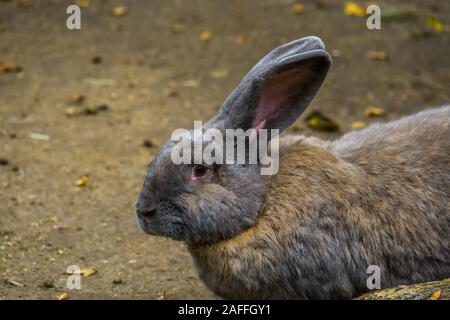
column 8, row 67
column 435, row 23
column 318, row 121
column 242, row 40
column 83, row 3
column 220, row 73
column 298, row 8
column 358, row 125
column 62, row 296
column 435, row 296
column 377, row 55
column 76, row 98
column 82, row 182
column 119, row 11
column 374, row 112
column 88, row 272
column 353, row 9
column 54, row 219
column 205, row 36
column 163, row 296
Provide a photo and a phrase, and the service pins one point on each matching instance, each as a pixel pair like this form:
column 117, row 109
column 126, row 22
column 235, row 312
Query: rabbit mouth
column 163, row 225
column 145, row 225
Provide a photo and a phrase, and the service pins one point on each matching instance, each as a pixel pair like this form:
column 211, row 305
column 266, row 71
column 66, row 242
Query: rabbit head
column 205, row 203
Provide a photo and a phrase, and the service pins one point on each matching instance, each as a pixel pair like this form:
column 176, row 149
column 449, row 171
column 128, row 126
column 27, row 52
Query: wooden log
column 436, row 290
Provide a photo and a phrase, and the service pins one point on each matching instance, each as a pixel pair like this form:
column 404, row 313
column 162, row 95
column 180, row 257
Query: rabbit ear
column 278, row 88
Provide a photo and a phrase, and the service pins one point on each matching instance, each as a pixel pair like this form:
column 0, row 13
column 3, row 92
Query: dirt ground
column 152, row 71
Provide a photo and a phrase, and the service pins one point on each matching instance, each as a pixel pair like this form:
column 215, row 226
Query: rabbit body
column 378, row 196
column 375, row 197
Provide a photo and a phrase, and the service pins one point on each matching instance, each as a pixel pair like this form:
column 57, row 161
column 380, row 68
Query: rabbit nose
column 147, row 212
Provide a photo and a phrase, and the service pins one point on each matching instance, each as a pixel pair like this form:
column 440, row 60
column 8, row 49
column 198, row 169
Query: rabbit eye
column 199, row 171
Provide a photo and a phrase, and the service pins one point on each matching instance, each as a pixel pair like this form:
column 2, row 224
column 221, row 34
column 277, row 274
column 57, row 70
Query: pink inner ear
column 275, row 94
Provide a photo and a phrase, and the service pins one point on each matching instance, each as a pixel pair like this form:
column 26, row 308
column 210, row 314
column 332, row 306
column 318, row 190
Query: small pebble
column 97, row 60
column 70, row 112
column 48, row 284
column 148, row 144
column 96, row 109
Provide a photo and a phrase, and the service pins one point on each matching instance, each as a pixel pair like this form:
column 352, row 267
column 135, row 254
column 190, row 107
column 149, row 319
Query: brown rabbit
column 378, row 196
